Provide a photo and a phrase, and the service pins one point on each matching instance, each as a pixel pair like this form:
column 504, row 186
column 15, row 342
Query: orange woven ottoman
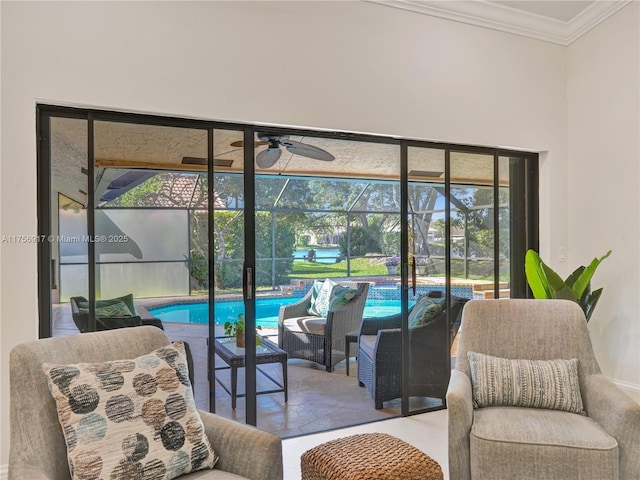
column 368, row 456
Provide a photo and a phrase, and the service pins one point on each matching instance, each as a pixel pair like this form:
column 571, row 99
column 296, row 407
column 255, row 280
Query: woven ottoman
column 368, row 456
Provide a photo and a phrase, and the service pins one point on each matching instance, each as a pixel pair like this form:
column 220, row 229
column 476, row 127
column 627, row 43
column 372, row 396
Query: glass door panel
column 428, row 368
column 228, row 382
column 148, row 192
column 504, row 224
column 69, row 239
column 473, row 225
column 325, row 209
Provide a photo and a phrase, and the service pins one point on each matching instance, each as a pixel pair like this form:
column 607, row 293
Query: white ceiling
column 555, row 21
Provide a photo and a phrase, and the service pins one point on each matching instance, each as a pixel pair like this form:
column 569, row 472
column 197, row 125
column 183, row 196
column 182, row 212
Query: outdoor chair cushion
column 311, row 324
column 130, row 416
column 368, row 344
column 116, row 309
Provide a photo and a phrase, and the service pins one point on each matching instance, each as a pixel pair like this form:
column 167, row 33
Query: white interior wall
column 603, row 88
column 339, row 65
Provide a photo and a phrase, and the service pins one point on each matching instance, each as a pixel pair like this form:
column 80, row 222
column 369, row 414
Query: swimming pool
column 267, row 310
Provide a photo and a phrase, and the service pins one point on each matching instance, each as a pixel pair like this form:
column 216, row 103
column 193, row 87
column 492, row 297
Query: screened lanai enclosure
column 202, row 224
column 305, row 227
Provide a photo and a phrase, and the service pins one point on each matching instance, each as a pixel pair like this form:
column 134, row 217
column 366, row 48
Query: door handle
column 413, row 274
column 247, row 284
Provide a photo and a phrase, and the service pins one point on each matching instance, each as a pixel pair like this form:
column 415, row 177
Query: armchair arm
column 232, row 441
column 460, row 406
column 297, row 309
column 619, row 415
column 25, row 471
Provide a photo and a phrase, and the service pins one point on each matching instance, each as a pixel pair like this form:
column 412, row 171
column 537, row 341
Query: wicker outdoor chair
column 380, row 355
column 81, row 319
column 319, row 339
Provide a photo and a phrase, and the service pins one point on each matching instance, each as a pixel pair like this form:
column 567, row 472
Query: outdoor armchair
column 81, row 318
column 380, row 355
column 518, row 442
column 37, row 445
column 320, row 339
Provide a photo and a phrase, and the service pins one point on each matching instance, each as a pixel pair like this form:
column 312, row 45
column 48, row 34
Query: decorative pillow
column 111, row 307
column 117, row 309
column 425, row 309
column 551, row 384
column 340, row 295
column 130, row 418
column 320, row 305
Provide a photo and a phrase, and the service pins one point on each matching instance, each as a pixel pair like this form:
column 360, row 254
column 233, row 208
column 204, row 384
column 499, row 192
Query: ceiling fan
column 268, row 158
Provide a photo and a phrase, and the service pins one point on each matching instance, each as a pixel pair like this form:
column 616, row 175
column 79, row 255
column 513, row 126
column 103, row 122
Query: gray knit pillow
column 551, row 384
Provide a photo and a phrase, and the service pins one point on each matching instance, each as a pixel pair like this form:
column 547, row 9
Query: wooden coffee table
column 233, row 356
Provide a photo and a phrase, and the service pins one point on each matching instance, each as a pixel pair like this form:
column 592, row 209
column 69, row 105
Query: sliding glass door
column 342, row 261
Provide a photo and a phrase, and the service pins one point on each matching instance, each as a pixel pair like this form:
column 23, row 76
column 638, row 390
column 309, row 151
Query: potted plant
column 235, row 327
column 422, row 264
column 545, row 283
column 392, row 264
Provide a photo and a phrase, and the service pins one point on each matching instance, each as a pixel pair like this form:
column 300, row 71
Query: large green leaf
column 555, row 283
column 571, row 279
column 535, row 275
column 566, row 293
column 591, row 303
column 581, row 283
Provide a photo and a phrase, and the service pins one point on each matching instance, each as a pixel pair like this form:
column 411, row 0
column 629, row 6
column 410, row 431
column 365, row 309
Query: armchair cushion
column 512, row 442
column 127, row 418
column 551, row 384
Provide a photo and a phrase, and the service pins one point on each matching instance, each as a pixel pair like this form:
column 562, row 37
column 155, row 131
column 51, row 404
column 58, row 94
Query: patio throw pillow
column 551, row 384
column 130, row 418
column 340, row 295
column 117, row 309
column 320, row 298
column 329, row 295
column 83, row 307
column 425, row 309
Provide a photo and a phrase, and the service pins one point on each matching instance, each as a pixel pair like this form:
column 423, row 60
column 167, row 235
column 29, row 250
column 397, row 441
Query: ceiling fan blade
column 268, row 158
column 307, row 150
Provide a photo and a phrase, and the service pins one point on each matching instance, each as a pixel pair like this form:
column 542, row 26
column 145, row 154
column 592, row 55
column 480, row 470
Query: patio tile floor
column 318, row 400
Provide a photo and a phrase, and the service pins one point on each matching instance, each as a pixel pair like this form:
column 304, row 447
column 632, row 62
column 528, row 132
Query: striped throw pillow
column 551, row 384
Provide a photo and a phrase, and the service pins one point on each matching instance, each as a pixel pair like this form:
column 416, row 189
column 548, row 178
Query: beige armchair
column 506, row 442
column 38, row 450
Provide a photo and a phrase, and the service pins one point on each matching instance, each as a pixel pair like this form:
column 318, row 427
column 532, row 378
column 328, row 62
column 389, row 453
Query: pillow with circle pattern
column 130, row 418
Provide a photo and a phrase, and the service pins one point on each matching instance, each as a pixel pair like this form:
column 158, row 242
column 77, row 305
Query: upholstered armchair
column 518, row 442
column 380, row 354
column 38, row 450
column 316, row 338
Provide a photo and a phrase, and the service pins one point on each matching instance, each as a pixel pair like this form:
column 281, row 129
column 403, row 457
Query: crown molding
column 511, row 20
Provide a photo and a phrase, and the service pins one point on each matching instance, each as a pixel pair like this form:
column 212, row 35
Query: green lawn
column 359, row 267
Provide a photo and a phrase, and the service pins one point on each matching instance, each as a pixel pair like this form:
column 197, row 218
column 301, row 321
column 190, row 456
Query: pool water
column 267, row 310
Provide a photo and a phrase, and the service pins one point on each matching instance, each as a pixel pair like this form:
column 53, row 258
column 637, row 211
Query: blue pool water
column 323, row 255
column 267, row 310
